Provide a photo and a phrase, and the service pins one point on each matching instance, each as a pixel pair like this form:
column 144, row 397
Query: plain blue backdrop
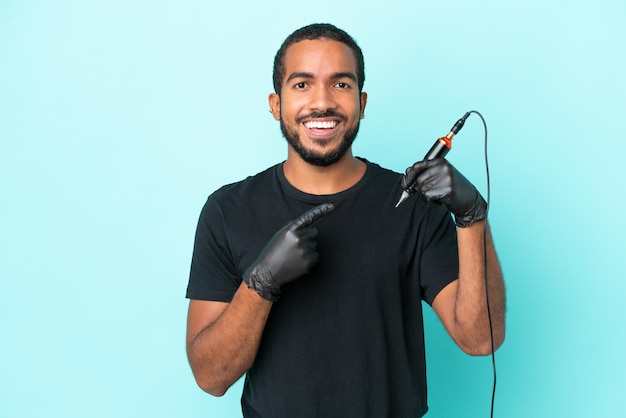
column 118, row 118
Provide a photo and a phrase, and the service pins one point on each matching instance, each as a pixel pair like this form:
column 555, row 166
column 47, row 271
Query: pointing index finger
column 312, row 215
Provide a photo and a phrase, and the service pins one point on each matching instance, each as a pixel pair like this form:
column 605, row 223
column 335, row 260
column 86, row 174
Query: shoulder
column 240, row 204
column 379, row 173
column 244, row 190
column 379, row 180
column 378, row 169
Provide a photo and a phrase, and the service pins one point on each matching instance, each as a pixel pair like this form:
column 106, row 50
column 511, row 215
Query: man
column 306, row 277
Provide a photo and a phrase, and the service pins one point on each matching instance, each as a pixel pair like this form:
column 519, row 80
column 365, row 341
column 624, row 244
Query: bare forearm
column 224, row 350
column 471, row 313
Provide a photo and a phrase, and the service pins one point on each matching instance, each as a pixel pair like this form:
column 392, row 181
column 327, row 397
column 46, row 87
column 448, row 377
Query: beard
column 319, row 159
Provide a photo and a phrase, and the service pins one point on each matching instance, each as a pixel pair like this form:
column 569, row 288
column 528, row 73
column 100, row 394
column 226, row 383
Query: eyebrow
column 334, row 76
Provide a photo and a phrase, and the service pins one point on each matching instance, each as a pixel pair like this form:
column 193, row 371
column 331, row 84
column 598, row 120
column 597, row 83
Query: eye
column 342, row 85
column 300, row 85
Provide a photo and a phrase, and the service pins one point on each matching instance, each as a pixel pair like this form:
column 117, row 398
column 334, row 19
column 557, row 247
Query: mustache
column 318, row 115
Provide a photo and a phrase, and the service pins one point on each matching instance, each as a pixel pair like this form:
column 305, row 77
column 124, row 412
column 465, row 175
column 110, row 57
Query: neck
column 332, row 179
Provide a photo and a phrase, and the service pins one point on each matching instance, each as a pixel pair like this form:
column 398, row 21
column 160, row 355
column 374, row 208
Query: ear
column 363, row 104
column 274, row 102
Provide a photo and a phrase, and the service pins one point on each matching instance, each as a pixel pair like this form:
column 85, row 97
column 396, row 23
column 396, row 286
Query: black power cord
column 488, row 200
column 440, row 149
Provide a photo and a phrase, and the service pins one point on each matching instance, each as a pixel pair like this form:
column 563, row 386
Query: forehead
column 319, row 56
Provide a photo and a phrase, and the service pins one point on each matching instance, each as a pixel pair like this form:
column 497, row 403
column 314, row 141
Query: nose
column 322, row 99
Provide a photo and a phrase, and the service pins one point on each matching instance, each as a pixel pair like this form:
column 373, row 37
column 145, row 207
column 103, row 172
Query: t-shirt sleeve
column 440, row 259
column 213, row 275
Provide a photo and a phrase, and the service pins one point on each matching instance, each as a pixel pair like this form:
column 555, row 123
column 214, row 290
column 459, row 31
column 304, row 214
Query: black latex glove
column 289, row 254
column 438, row 181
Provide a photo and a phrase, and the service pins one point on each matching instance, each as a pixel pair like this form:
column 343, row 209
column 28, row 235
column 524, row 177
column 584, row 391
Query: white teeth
column 314, row 124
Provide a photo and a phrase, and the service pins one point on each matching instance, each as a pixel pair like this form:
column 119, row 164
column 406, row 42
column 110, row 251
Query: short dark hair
column 313, row 32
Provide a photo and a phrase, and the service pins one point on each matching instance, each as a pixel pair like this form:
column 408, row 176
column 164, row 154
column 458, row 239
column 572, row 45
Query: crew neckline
column 321, row 198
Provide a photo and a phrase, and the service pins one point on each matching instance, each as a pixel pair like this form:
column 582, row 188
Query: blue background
column 118, row 118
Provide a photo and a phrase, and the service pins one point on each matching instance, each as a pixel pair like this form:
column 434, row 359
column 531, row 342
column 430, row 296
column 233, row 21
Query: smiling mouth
column 321, row 124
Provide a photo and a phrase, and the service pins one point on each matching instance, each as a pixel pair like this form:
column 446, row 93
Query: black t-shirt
column 345, row 340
